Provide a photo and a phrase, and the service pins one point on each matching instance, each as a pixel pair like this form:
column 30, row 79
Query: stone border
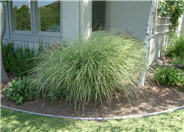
column 98, row 118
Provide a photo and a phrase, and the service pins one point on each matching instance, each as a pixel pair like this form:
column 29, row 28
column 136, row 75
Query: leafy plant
column 178, row 61
column 174, row 9
column 18, row 61
column 92, row 70
column 176, row 49
column 19, row 92
column 168, row 75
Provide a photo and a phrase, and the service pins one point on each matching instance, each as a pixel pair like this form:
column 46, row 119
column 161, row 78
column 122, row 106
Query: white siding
column 159, row 37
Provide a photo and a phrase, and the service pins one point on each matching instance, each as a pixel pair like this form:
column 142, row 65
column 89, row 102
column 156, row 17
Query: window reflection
column 21, row 15
column 49, row 15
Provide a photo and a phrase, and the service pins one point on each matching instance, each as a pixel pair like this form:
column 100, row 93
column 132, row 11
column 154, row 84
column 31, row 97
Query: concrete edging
column 98, row 118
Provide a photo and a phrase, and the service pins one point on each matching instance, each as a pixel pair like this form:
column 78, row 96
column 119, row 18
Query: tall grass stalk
column 92, row 70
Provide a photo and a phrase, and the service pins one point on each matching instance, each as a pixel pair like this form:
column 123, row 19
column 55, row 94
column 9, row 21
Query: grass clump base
column 92, row 70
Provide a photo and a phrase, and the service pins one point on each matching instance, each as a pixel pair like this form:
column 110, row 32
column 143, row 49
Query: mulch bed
column 153, row 98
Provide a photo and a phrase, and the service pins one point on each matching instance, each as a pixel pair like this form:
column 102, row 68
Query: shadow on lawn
column 21, row 122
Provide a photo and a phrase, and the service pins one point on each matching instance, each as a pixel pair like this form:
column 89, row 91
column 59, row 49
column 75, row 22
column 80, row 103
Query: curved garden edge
column 98, row 118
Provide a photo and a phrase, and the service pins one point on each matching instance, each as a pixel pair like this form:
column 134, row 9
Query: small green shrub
column 178, row 61
column 176, row 49
column 168, row 75
column 92, row 70
column 18, row 91
column 18, row 61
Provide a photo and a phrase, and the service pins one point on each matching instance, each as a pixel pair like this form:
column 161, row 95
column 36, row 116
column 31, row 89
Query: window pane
column 21, row 15
column 98, row 15
column 49, row 15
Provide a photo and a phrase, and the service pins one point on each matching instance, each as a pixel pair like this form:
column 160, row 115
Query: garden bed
column 95, row 72
column 154, row 98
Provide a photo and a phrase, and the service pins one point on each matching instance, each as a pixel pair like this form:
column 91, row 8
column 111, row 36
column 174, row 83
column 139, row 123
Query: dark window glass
column 98, row 15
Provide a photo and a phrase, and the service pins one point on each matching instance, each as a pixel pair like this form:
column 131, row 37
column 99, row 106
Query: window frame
column 34, row 35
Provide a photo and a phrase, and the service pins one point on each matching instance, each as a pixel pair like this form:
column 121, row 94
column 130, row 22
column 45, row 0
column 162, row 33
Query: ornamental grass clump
column 92, row 70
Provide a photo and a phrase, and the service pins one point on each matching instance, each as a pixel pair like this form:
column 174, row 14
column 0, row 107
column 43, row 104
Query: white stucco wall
column 85, row 18
column 129, row 16
column 70, row 20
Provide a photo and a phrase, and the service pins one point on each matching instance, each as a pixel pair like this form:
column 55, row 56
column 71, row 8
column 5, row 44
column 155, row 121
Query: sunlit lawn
column 13, row 121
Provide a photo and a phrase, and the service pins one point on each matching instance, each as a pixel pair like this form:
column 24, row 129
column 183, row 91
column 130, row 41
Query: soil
column 153, row 98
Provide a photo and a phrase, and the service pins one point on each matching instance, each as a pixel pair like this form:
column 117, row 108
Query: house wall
column 129, row 16
column 159, row 37
column 70, row 20
column 85, row 19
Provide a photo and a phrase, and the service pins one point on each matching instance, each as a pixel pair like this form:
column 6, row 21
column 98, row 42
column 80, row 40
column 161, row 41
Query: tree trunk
column 4, row 75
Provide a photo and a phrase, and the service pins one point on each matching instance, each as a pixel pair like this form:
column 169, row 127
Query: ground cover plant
column 176, row 47
column 18, row 90
column 22, row 122
column 92, row 70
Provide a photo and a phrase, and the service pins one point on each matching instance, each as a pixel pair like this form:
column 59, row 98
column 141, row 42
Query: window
column 98, row 15
column 37, row 18
column 49, row 16
column 21, row 15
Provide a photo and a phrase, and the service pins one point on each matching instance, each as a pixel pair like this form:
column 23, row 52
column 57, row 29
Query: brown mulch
column 153, row 98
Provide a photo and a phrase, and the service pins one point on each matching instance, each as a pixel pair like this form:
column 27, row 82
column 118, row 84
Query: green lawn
column 12, row 121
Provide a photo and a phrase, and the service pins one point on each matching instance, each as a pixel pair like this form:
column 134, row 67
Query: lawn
column 22, row 122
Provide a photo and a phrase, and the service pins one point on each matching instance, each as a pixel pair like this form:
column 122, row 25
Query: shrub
column 176, row 49
column 178, row 61
column 168, row 75
column 18, row 61
column 18, row 91
column 95, row 69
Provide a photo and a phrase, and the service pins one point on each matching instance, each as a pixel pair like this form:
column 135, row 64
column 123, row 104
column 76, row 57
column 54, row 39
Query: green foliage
column 168, row 75
column 176, row 49
column 22, row 19
column 95, row 69
column 178, row 61
column 18, row 91
column 18, row 61
column 50, row 17
column 172, row 8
